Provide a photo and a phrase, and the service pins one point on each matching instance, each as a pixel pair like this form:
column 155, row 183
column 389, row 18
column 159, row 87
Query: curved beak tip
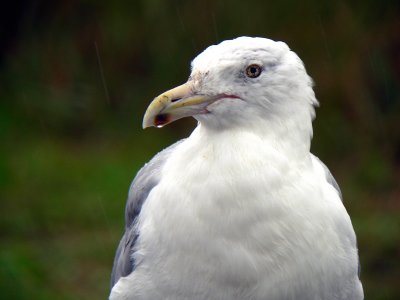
column 175, row 104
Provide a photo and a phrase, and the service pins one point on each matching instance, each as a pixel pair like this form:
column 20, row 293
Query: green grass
column 63, row 215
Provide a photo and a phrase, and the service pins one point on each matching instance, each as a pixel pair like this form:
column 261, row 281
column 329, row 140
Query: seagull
column 240, row 209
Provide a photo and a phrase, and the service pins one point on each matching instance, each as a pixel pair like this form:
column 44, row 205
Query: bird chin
column 224, row 105
column 222, row 113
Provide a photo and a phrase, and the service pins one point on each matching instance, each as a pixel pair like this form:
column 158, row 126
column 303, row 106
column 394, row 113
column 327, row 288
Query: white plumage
column 240, row 209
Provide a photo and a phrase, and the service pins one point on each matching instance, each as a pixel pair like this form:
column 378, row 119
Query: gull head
column 248, row 82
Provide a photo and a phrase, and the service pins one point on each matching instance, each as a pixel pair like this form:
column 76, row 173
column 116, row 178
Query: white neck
column 291, row 138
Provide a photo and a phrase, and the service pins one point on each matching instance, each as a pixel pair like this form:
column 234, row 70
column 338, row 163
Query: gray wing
column 332, row 181
column 329, row 177
column 146, row 179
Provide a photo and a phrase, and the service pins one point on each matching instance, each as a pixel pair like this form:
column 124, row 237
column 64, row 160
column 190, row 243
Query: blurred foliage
column 76, row 77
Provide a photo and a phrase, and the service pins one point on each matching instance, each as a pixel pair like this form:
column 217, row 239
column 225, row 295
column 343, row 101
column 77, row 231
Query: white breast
column 236, row 219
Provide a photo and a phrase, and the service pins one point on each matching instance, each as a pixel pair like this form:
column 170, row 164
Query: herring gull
column 240, row 209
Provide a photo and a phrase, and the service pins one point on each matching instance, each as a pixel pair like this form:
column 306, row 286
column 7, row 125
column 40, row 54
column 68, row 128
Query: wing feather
column 145, row 180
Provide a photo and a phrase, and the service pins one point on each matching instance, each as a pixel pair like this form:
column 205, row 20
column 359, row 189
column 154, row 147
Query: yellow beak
column 175, row 104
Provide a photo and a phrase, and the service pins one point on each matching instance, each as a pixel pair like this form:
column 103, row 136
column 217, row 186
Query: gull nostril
column 175, row 99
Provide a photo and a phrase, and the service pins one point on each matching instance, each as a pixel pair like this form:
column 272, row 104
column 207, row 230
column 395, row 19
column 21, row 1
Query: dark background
column 76, row 77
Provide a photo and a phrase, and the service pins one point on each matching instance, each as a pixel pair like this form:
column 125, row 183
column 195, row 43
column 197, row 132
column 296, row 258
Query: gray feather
column 329, row 177
column 331, row 180
column 145, row 180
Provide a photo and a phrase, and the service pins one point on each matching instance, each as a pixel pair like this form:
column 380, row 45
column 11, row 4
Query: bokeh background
column 76, row 77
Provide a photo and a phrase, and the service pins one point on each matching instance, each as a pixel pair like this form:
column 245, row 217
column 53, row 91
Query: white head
column 251, row 83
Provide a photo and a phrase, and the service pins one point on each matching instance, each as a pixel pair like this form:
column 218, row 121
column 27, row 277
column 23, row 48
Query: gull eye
column 253, row 71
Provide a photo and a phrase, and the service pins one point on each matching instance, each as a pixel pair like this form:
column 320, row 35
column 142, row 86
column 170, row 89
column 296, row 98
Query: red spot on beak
column 162, row 119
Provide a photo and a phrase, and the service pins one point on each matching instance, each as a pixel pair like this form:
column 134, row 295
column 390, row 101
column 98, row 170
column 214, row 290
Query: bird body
column 240, row 209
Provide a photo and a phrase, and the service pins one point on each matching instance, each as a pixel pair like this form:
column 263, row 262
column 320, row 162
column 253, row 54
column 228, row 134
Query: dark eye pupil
column 253, row 71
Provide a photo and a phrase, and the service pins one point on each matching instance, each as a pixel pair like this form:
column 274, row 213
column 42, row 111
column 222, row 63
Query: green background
column 76, row 77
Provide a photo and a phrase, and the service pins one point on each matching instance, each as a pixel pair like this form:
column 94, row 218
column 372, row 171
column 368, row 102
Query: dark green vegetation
column 76, row 78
